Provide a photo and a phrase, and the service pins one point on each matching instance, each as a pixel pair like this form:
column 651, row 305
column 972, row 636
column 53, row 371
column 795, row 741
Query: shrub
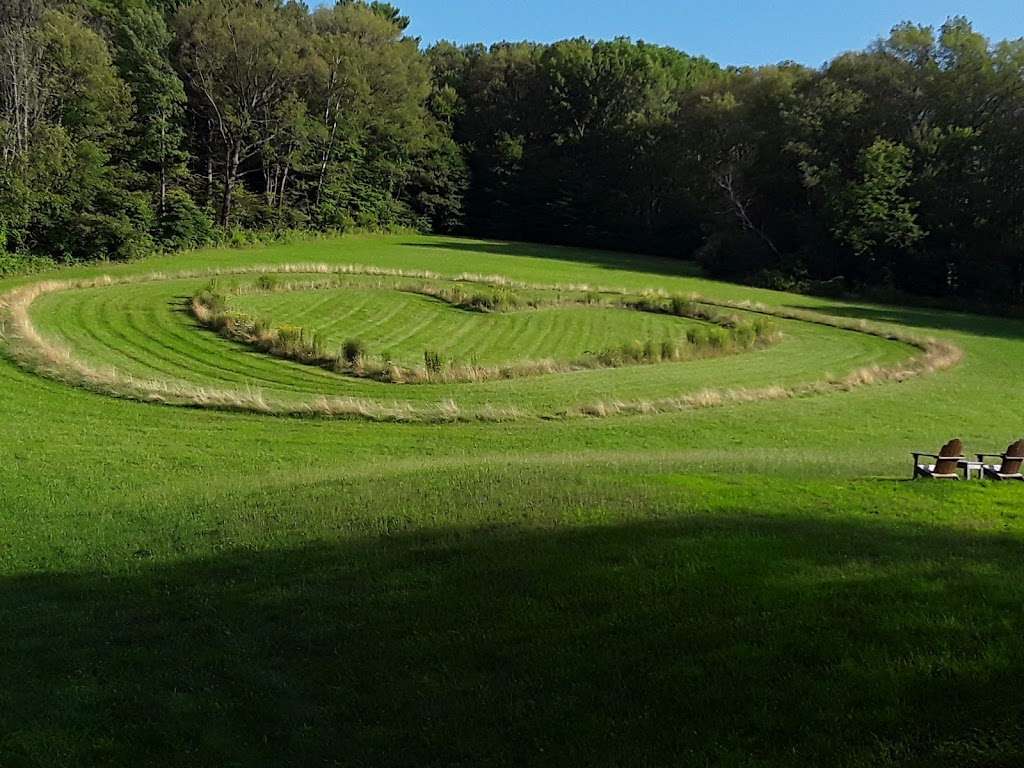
column 433, row 361
column 266, row 282
column 744, row 335
column 682, row 307
column 453, row 295
column 353, row 351
column 22, row 264
column 717, row 338
column 506, row 299
column 633, row 351
column 210, row 298
column 182, row 223
column 500, row 300
column 648, row 304
column 291, row 340
column 238, row 238
column 610, row 358
column 763, row 328
column 319, row 345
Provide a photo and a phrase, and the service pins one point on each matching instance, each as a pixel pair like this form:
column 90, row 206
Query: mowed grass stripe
column 164, row 342
column 114, row 332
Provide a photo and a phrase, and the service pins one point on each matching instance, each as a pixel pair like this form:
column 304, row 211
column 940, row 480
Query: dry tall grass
column 937, row 356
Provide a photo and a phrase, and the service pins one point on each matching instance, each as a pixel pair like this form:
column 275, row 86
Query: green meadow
column 403, row 325
column 745, row 584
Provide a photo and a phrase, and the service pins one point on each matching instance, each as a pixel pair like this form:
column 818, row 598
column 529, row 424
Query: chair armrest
column 983, row 456
column 919, row 454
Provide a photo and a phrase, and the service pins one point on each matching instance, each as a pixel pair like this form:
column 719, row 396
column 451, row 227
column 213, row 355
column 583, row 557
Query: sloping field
column 745, row 580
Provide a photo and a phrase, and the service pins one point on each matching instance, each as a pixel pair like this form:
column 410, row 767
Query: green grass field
column 403, row 325
column 755, row 584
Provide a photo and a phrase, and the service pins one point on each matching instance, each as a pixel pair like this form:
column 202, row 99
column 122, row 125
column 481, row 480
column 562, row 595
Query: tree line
column 129, row 125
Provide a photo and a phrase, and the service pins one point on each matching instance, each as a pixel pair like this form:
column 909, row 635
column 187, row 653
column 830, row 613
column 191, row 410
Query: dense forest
column 133, row 125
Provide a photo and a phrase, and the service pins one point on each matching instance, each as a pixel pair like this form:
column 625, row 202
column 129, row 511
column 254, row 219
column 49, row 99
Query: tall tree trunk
column 325, row 159
column 284, row 181
column 270, row 174
column 163, row 164
column 231, row 160
column 209, row 162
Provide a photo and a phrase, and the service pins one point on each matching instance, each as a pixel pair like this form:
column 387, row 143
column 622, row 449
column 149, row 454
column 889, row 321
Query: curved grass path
column 132, row 336
column 745, row 585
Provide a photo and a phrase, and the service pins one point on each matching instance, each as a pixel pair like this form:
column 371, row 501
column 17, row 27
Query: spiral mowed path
column 143, row 330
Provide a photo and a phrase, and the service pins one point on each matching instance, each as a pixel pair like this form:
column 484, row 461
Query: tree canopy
column 128, row 125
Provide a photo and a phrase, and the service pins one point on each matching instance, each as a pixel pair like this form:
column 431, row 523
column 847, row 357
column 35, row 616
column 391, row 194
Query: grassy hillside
column 750, row 584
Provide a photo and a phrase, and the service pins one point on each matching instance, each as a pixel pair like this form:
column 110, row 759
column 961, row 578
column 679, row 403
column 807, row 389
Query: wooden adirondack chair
column 946, row 462
column 1010, row 464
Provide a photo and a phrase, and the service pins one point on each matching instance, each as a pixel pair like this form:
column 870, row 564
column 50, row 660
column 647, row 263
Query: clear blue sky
column 728, row 31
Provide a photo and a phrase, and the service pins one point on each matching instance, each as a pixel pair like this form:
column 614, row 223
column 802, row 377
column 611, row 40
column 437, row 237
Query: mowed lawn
column 749, row 585
column 402, row 326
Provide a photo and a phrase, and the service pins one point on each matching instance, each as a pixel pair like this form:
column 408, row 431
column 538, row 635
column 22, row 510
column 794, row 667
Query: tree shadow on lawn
column 932, row 319
column 981, row 325
column 659, row 265
column 726, row 640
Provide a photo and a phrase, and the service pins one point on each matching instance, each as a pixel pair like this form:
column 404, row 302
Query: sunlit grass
column 752, row 584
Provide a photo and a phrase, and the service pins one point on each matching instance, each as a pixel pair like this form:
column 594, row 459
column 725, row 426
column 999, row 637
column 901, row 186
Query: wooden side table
column 970, row 467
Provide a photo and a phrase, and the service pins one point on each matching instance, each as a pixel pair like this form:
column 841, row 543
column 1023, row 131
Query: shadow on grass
column 726, row 640
column 981, row 325
column 933, row 319
column 659, row 265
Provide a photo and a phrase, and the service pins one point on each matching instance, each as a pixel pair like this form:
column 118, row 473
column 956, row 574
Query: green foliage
column 293, row 120
column 23, row 264
column 318, row 346
column 880, row 168
column 497, row 300
column 266, row 282
column 433, row 361
column 353, row 351
column 290, row 340
column 126, row 126
column 876, row 214
column 64, row 193
column 181, row 223
column 683, row 307
column 212, row 299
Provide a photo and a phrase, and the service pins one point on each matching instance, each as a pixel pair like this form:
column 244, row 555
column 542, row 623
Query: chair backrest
column 1013, row 459
column 949, row 457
